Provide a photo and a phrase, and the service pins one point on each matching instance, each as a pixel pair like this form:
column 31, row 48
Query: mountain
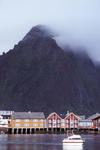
column 37, row 75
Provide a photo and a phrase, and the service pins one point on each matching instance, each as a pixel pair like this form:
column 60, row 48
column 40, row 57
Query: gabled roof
column 67, row 115
column 94, row 116
column 28, row 115
column 52, row 114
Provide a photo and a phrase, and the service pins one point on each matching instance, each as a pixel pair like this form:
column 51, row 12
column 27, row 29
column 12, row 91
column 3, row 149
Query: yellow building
column 24, row 120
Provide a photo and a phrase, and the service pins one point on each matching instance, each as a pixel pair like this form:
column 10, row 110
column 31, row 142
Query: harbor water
column 45, row 142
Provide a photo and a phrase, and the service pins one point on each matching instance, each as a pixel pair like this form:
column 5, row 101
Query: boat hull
column 67, row 142
column 74, row 144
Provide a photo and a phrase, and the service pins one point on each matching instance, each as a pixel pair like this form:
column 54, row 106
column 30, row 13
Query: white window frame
column 62, row 124
column 49, row 120
column 67, row 125
column 17, row 124
column 49, row 125
column 26, row 124
column 62, row 120
column 54, row 120
column 58, row 125
column 35, row 124
column 54, row 124
column 66, row 120
column 58, row 120
column 35, row 120
column 26, row 120
column 17, row 120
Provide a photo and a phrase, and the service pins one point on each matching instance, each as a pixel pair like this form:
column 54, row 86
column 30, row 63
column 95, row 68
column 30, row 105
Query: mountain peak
column 39, row 31
column 37, row 75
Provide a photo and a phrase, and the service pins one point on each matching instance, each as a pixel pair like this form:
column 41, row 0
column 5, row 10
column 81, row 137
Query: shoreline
column 51, row 131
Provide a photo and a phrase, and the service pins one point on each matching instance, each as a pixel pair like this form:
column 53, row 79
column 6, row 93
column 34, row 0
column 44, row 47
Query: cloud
column 76, row 21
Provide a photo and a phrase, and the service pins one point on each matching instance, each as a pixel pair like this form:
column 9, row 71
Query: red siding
column 71, row 121
column 54, row 121
column 96, row 122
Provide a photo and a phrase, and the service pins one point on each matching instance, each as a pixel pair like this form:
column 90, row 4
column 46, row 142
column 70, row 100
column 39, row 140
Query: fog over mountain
column 38, row 75
column 76, row 22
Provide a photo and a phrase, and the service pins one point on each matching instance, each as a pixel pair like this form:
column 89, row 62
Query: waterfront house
column 71, row 120
column 54, row 121
column 96, row 120
column 3, row 123
column 24, row 120
column 5, row 115
column 87, row 124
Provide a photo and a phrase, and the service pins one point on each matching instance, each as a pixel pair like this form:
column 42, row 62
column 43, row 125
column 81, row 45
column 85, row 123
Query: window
column 71, row 124
column 62, row 124
column 66, row 120
column 49, row 120
column 75, row 121
column 58, row 125
column 75, row 125
column 41, row 120
column 58, row 120
column 35, row 124
column 41, row 124
column 26, row 120
column 54, row 124
column 54, row 120
column 17, row 124
column 62, row 120
column 71, row 120
column 35, row 120
column 26, row 124
column 84, row 124
column 49, row 125
column 66, row 125
column 17, row 120
column 44, row 125
column 80, row 124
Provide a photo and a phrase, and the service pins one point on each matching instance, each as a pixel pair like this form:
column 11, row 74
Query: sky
column 76, row 21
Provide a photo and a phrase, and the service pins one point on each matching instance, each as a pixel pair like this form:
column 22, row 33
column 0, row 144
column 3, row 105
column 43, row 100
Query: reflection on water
column 78, row 147
column 45, row 142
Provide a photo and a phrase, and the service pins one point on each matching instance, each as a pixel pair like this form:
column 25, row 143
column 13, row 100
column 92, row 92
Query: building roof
column 28, row 115
column 68, row 114
column 86, row 120
column 82, row 117
column 52, row 114
column 94, row 116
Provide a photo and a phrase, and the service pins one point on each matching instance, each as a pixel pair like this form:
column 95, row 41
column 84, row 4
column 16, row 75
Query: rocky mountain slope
column 37, row 75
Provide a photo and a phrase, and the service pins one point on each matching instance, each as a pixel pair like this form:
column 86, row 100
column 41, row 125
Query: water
column 45, row 142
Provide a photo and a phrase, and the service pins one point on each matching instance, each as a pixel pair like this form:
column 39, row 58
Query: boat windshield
column 75, row 139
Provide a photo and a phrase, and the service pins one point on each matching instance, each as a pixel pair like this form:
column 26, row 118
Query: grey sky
column 77, row 21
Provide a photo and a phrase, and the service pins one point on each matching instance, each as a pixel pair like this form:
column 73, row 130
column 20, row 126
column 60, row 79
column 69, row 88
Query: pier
column 52, row 131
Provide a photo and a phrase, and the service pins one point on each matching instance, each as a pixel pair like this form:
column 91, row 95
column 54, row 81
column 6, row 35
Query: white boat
column 72, row 147
column 73, row 140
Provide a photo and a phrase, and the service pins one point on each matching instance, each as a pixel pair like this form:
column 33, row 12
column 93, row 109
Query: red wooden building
column 71, row 120
column 53, row 121
column 96, row 122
